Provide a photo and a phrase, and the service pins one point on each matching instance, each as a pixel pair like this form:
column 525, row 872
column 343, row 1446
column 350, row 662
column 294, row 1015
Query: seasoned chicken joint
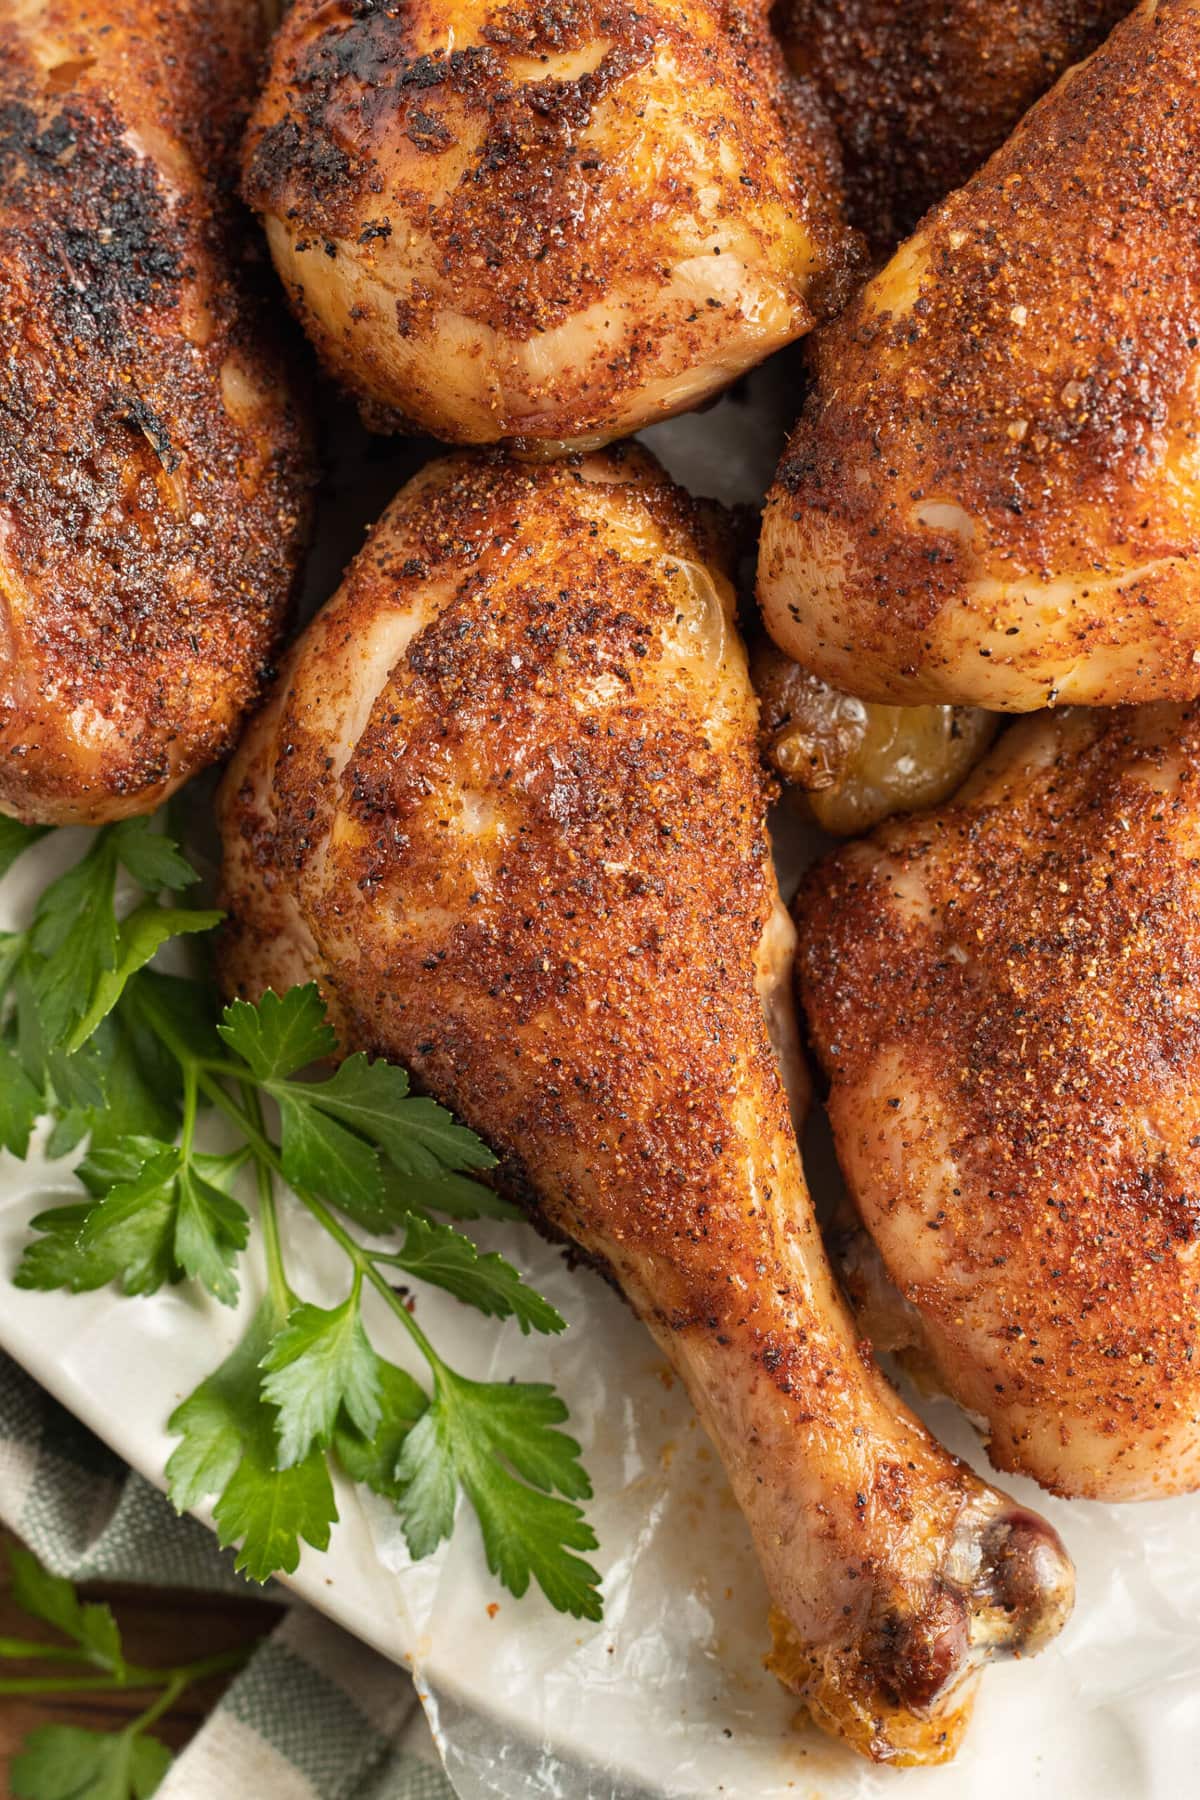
column 848, row 763
column 505, row 806
column 549, row 224
column 152, row 469
column 993, row 497
column 923, row 91
column 1003, row 994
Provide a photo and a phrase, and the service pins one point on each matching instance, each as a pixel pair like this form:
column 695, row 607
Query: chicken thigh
column 505, row 806
column 1004, row 997
column 993, row 496
column 923, row 91
column 153, row 472
column 549, row 224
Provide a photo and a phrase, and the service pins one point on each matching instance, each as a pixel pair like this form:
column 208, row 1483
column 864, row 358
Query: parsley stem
column 133, row 1676
column 380, row 1284
column 281, row 1293
column 23, row 1650
column 363, row 1265
column 250, row 1124
column 220, row 1663
column 165, row 1701
column 254, row 1131
column 67, row 1684
column 189, row 1110
column 228, row 1071
column 266, row 1152
column 248, row 1118
column 198, row 1071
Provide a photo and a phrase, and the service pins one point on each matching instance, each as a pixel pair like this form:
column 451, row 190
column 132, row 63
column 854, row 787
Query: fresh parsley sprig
column 61, row 1048
column 66, row 1762
column 131, row 1056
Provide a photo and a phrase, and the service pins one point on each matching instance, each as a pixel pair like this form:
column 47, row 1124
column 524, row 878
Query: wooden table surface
column 160, row 1626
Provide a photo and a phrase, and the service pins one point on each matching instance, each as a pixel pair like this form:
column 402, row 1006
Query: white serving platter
column 667, row 1697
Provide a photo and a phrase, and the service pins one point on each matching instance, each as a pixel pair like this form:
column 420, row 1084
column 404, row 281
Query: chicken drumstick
column 543, row 224
column 153, row 471
column 993, row 496
column 505, row 805
column 1003, row 995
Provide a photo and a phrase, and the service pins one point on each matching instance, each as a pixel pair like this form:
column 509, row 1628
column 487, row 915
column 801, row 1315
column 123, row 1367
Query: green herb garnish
column 127, row 1056
column 67, row 1762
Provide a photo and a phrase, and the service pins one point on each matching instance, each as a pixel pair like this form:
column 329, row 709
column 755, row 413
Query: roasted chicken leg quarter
column 1004, row 995
column 543, row 225
column 993, row 496
column 505, row 806
column 153, row 469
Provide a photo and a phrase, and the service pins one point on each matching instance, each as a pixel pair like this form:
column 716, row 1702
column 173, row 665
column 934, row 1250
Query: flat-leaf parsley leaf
column 131, row 1057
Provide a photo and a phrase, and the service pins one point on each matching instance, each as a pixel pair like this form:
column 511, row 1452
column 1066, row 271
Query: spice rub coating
column 543, row 224
column 153, row 471
column 923, row 91
column 993, row 496
column 1003, row 994
column 506, row 806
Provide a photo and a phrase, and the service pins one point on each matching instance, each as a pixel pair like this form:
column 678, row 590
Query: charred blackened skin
column 645, row 180
column 153, row 472
column 301, row 153
column 920, row 1654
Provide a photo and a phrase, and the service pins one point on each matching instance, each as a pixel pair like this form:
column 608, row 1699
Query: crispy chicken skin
column 542, row 224
column 152, row 469
column 923, row 91
column 993, row 497
column 505, row 805
column 1003, row 994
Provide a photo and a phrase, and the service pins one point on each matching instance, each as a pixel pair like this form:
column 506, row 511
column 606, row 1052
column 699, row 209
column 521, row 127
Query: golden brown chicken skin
column 1004, row 996
column 993, row 496
column 505, row 805
column 542, row 224
column 153, row 473
column 923, row 91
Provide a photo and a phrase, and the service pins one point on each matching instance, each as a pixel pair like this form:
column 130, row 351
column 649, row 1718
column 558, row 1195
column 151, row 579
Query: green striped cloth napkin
column 314, row 1715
